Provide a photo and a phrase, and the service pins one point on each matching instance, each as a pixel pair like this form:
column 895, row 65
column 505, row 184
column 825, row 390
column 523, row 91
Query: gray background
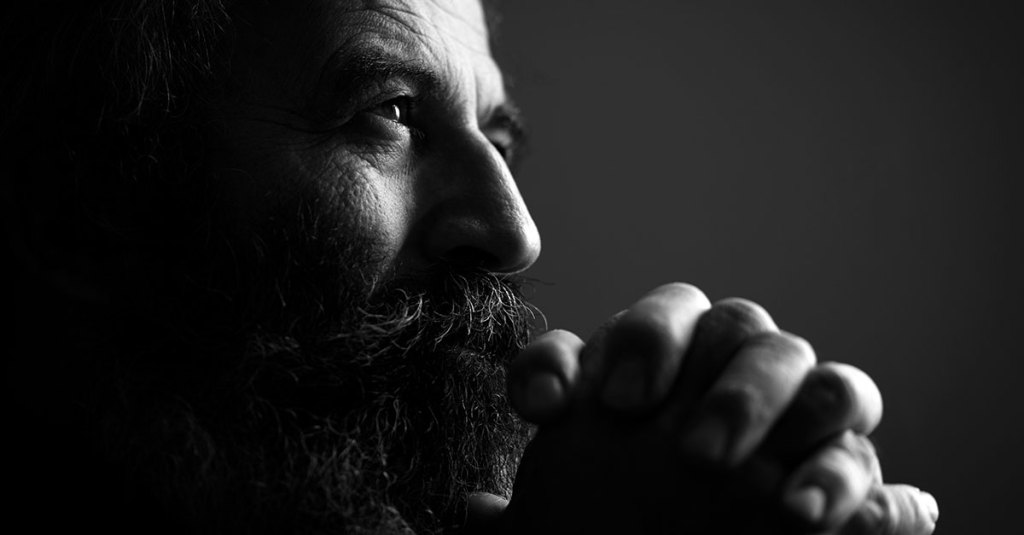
column 855, row 167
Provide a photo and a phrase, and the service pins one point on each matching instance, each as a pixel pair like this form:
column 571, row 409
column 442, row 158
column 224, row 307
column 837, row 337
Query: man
column 268, row 255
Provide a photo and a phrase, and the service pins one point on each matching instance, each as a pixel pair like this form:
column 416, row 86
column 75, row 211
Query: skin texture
column 751, row 422
column 378, row 136
column 676, row 414
column 416, row 170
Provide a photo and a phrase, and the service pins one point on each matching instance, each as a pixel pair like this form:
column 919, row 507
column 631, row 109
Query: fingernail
column 707, row 440
column 808, row 502
column 931, row 506
column 544, row 392
column 626, row 386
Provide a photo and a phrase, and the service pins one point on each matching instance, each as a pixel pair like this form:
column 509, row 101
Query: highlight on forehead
column 418, row 16
column 367, row 32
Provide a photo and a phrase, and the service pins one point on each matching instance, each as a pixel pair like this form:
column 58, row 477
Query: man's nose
column 474, row 214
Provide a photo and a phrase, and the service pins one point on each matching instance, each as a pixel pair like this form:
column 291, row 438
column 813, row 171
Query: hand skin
column 686, row 417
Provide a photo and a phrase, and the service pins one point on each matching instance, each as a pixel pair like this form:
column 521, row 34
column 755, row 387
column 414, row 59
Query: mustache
column 406, row 330
column 473, row 310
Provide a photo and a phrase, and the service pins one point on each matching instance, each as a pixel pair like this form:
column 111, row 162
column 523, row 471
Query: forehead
column 309, row 37
column 455, row 24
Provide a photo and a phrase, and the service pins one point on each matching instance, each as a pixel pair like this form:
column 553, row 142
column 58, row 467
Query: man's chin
column 408, row 455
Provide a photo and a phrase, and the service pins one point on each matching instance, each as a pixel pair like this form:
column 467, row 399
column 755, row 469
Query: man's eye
column 504, row 143
column 396, row 109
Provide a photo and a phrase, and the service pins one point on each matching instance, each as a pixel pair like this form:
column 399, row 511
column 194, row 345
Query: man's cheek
column 370, row 205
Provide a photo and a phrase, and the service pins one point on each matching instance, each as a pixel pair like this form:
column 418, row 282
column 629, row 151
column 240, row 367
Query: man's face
column 371, row 223
column 389, row 116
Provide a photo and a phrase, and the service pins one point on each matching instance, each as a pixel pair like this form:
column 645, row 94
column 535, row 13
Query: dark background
column 855, row 167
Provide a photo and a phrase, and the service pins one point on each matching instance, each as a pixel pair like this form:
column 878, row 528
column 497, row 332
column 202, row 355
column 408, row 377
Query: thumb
column 483, row 512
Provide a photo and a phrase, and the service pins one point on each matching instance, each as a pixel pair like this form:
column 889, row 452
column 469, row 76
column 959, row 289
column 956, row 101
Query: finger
column 894, row 510
column 748, row 397
column 720, row 332
column 643, row 350
column 483, row 512
column 833, row 397
column 542, row 376
column 592, row 358
column 832, row 484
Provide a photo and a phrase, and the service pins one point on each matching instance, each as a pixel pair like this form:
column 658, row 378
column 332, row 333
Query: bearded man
column 267, row 261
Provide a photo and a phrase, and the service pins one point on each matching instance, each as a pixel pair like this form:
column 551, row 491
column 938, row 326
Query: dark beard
column 282, row 383
column 383, row 421
column 377, row 411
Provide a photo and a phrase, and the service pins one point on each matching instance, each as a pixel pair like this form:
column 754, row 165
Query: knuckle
column 686, row 290
column 651, row 322
column 781, row 350
column 742, row 403
column 890, row 515
column 793, row 345
column 659, row 321
column 740, row 314
column 673, row 297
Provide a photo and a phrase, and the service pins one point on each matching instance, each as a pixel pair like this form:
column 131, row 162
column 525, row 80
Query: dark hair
column 98, row 101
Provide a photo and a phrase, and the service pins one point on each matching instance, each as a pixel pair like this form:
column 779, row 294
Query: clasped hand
column 686, row 417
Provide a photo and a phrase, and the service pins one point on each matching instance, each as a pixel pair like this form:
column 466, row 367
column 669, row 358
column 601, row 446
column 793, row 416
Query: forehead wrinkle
column 404, row 18
column 394, row 29
column 477, row 26
column 407, row 17
column 411, row 32
column 368, row 57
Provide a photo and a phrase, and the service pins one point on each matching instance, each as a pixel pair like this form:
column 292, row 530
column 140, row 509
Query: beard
column 377, row 411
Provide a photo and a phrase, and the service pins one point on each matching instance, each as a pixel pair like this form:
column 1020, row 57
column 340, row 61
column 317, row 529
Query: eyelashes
column 396, row 110
column 406, row 119
column 391, row 120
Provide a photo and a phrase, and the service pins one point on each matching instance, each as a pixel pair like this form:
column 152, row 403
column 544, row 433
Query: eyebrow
column 348, row 72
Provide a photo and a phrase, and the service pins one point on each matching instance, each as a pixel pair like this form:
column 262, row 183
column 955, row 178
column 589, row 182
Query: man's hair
column 99, row 101
column 140, row 336
column 103, row 104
